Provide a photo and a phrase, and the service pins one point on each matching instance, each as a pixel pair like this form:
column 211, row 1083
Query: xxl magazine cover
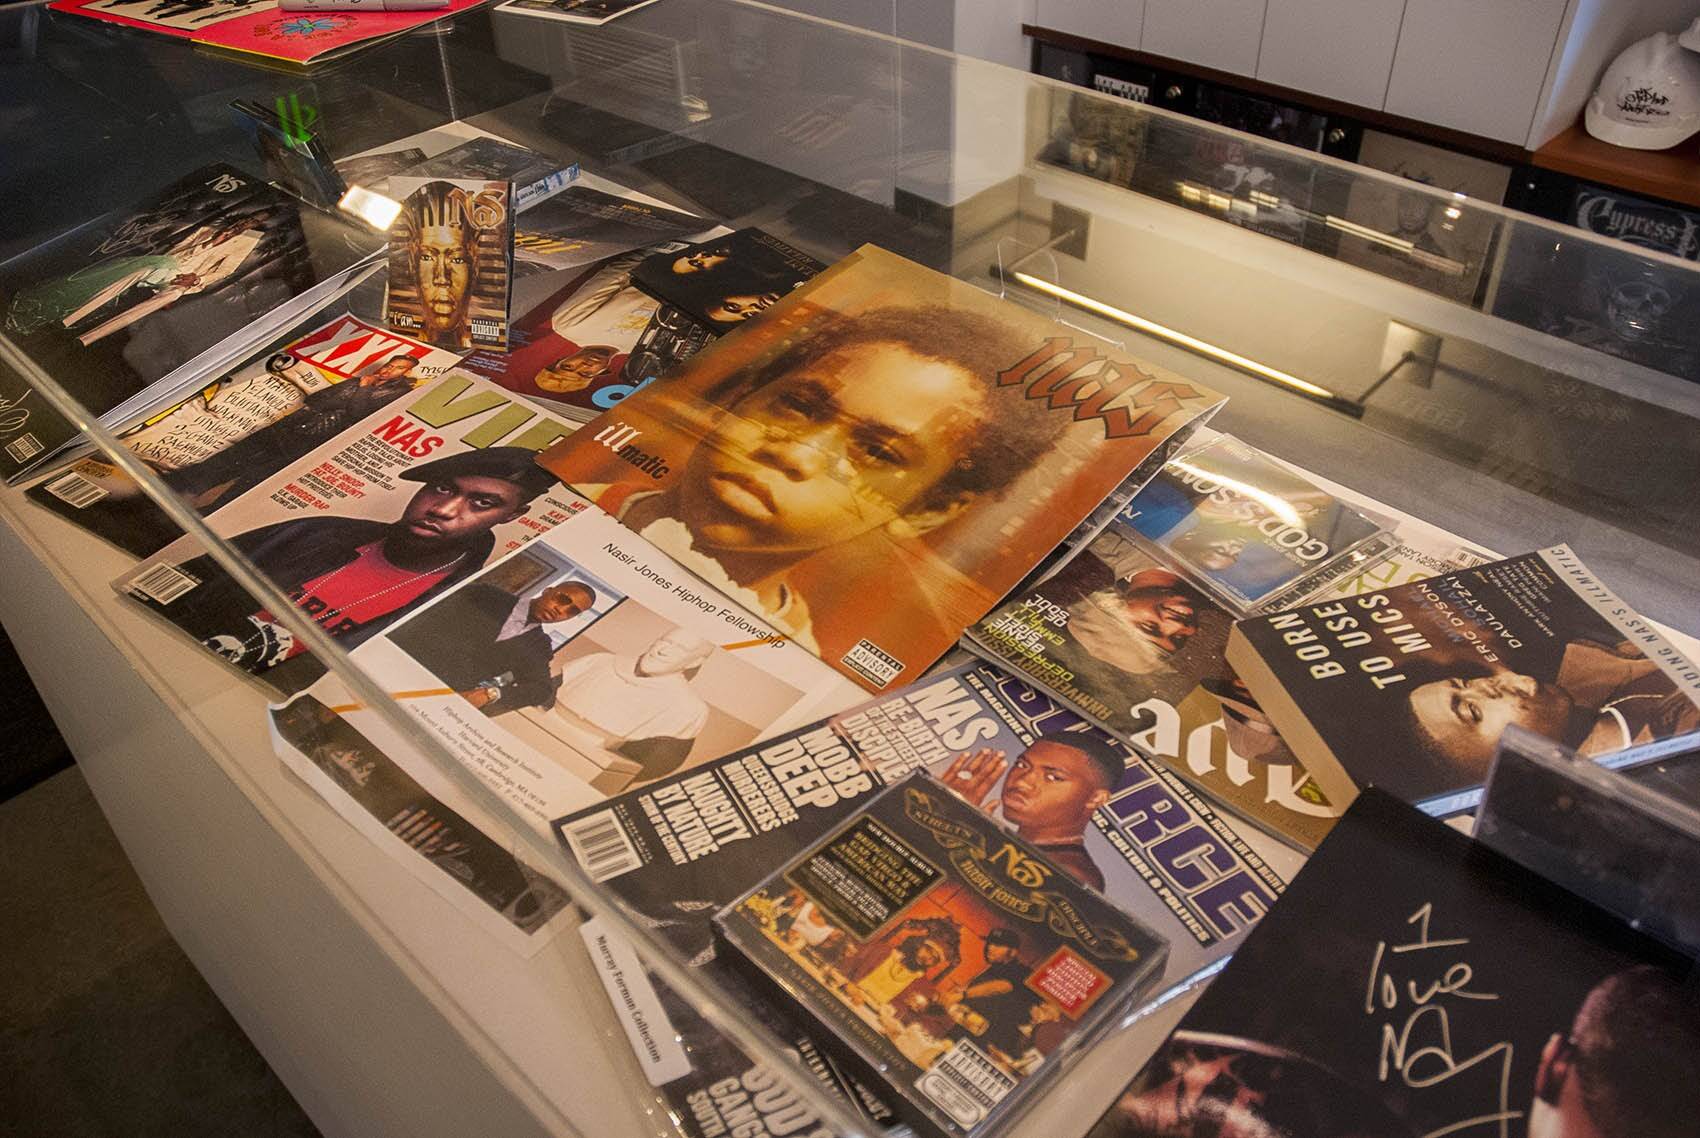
column 879, row 459
column 1413, row 984
column 127, row 300
column 579, row 666
column 676, row 850
column 239, row 429
column 391, row 513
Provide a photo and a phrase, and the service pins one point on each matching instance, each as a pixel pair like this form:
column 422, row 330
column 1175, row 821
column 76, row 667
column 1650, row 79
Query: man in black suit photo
column 492, row 647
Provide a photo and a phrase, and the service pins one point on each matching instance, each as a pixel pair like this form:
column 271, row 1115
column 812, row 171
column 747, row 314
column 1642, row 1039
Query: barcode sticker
column 75, row 490
column 965, row 1083
column 23, row 448
column 601, row 846
column 163, row 584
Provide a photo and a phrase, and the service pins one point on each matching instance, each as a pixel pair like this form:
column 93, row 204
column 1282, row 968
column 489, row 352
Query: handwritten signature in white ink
column 1420, row 1051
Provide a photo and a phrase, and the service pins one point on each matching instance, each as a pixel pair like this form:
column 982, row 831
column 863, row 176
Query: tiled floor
column 106, row 1029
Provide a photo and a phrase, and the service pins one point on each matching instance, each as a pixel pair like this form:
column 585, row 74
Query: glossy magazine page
column 122, row 303
column 259, row 27
column 576, row 667
column 394, row 511
column 238, row 430
column 881, row 457
column 678, row 849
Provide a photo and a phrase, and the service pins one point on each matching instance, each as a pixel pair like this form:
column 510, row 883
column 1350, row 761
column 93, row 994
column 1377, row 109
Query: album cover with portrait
column 722, row 282
column 1252, row 530
column 132, row 299
column 451, row 261
column 1408, row 688
column 677, row 849
column 942, row 957
column 1414, row 983
column 880, row 458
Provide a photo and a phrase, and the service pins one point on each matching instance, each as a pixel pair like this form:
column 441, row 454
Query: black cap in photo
column 511, row 464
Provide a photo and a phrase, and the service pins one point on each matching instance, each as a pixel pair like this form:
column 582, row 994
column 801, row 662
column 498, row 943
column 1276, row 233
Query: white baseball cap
column 1649, row 98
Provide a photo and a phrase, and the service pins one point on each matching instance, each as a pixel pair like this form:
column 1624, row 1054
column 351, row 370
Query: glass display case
column 1510, row 382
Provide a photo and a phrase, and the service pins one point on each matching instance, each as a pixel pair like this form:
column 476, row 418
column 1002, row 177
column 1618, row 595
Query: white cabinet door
column 1223, row 34
column 1474, row 65
column 1342, row 49
column 1112, row 21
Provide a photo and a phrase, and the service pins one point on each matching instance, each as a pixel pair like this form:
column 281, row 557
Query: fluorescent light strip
column 1191, row 343
column 1367, row 233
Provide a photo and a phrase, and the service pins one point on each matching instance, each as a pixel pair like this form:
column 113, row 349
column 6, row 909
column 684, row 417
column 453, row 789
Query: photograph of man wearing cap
column 1052, row 789
column 494, row 648
column 356, row 576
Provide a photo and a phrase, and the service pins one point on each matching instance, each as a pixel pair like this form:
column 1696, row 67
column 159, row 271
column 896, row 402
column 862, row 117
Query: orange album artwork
column 881, row 457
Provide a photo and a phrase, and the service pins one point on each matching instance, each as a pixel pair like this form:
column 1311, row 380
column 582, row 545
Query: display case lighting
column 1180, row 339
column 371, row 207
column 1367, row 233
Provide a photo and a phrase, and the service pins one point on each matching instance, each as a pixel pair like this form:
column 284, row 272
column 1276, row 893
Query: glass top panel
column 1517, row 383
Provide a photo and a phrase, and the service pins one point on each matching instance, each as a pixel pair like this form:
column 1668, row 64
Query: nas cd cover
column 1250, row 528
column 944, row 957
column 451, row 262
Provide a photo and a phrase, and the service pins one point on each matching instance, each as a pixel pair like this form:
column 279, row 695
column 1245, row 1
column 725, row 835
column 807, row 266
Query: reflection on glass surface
column 1514, row 382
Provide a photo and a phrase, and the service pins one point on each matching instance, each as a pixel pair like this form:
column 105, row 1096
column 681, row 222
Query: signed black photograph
column 1413, row 984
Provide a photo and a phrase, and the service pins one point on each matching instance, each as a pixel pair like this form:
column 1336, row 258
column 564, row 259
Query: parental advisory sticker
column 965, row 1083
column 872, row 662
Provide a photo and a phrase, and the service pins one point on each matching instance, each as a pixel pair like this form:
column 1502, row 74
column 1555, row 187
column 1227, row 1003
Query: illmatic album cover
column 1414, row 984
column 122, row 302
column 451, row 261
column 879, row 459
column 953, row 963
column 1250, row 528
column 1408, row 688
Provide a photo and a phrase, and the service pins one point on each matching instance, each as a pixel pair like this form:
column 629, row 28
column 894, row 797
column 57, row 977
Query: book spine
column 1304, row 740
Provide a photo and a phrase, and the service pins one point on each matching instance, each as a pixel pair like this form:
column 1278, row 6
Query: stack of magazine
column 925, row 672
